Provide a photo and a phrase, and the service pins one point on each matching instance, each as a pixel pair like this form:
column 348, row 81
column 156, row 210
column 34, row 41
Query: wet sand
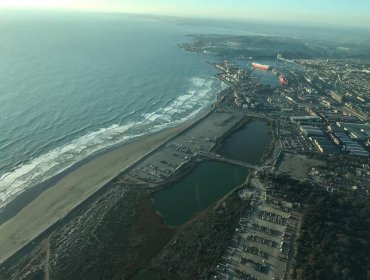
column 71, row 190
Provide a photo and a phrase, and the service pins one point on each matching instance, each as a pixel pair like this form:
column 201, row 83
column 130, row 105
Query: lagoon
column 248, row 143
column 208, row 182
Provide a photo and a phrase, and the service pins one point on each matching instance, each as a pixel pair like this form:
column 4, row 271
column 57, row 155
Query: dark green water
column 145, row 275
column 248, row 143
column 207, row 183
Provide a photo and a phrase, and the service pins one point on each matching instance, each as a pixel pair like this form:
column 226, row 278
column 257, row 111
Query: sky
column 343, row 12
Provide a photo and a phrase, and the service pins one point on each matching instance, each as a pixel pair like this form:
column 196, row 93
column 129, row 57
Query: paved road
column 232, row 161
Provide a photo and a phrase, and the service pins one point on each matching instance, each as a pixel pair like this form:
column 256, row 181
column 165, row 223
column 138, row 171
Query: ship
column 261, row 66
column 283, row 80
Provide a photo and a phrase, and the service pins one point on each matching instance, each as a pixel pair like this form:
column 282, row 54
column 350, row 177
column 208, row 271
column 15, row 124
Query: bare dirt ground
column 298, row 165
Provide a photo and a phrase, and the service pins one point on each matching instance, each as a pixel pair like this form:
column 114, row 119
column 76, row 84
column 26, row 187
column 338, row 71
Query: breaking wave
column 200, row 94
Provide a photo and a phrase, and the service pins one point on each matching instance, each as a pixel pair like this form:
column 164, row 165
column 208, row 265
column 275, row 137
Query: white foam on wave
column 197, row 97
column 187, row 105
column 57, row 160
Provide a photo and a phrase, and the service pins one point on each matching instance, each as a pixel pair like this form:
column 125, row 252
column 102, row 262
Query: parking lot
column 202, row 137
column 262, row 244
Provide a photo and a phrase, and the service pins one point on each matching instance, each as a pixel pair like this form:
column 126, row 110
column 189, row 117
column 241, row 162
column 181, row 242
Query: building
column 324, row 145
column 360, row 132
column 311, row 131
column 351, row 146
column 336, row 96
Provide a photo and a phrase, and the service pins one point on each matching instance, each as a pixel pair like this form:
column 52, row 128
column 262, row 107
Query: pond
column 208, row 182
column 248, row 143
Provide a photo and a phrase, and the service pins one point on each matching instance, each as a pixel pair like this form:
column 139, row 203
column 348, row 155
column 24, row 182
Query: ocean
column 74, row 84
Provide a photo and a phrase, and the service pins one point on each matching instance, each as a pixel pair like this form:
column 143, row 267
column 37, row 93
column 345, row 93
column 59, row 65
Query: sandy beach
column 71, row 190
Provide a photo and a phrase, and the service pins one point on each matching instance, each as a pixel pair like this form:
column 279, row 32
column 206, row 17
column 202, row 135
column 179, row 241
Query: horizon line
column 307, row 23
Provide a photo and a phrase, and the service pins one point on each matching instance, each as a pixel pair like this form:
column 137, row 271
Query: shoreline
column 31, row 193
column 57, row 197
column 27, row 196
column 55, row 200
column 176, row 131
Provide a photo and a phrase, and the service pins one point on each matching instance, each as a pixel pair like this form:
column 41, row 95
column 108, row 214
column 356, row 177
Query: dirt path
column 47, row 259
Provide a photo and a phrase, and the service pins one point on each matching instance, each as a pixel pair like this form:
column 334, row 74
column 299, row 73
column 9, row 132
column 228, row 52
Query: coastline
column 18, row 249
column 30, row 194
column 57, row 197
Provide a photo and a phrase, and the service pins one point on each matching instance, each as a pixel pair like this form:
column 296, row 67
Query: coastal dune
column 71, row 190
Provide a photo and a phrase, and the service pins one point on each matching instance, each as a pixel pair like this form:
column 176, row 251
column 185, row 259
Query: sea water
column 75, row 84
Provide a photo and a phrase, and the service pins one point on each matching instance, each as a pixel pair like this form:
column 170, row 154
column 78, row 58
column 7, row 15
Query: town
column 320, row 110
column 300, row 191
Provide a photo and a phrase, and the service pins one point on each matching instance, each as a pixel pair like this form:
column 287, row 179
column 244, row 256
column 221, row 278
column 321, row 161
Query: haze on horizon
column 334, row 12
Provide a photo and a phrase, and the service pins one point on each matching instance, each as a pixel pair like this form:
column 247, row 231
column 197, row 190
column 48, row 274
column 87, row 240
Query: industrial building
column 336, row 96
column 324, row 145
column 305, row 118
column 319, row 139
column 312, row 131
column 360, row 132
column 351, row 146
